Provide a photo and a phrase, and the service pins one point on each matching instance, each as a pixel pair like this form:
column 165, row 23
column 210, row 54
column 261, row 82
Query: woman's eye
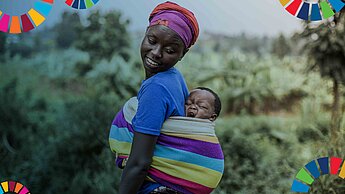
column 151, row 40
column 170, row 51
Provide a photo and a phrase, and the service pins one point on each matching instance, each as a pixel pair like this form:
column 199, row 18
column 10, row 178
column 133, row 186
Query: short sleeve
column 152, row 109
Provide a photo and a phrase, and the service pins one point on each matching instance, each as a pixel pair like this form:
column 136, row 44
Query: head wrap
column 177, row 18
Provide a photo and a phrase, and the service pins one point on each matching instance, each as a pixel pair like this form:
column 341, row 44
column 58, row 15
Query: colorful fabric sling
column 187, row 158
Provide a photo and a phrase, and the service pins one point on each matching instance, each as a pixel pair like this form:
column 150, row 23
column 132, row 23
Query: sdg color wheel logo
column 28, row 21
column 13, row 187
column 313, row 10
column 314, row 169
column 81, row 4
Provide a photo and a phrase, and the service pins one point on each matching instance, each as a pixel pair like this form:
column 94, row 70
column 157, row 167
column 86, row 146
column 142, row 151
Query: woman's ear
column 213, row 117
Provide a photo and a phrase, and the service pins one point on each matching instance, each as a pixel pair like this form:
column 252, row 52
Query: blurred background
column 281, row 82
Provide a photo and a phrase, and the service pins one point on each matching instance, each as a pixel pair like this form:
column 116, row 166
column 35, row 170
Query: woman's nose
column 157, row 52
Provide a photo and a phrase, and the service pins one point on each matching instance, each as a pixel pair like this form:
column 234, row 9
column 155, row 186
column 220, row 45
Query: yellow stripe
column 150, row 179
column 0, row 13
column 36, row 17
column 342, row 172
column 204, row 176
column 5, row 186
column 284, row 2
column 120, row 147
column 196, row 137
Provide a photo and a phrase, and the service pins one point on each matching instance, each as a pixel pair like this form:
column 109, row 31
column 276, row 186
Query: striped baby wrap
column 187, row 158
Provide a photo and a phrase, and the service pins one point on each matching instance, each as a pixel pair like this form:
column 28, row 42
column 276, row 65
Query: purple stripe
column 208, row 149
column 120, row 121
column 119, row 162
column 169, row 184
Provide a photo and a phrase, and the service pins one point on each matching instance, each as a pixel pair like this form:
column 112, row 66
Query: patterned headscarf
column 177, row 18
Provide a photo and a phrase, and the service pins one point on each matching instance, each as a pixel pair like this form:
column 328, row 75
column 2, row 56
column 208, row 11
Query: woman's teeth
column 151, row 62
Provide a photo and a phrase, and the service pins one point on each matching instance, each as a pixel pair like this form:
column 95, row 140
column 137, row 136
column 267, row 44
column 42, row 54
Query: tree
column 21, row 45
column 105, row 36
column 2, row 43
column 325, row 48
column 280, row 47
column 67, row 29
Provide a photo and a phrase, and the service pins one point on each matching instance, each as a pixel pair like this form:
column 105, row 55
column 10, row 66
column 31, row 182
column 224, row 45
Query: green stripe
column 88, row 3
column 304, row 176
column 326, row 9
column 120, row 147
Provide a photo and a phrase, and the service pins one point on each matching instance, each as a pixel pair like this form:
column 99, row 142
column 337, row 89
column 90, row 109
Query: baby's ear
column 213, row 117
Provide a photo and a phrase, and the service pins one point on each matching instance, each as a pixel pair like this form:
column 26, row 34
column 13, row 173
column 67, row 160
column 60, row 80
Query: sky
column 229, row 17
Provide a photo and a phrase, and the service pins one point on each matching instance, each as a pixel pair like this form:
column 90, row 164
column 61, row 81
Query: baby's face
column 200, row 104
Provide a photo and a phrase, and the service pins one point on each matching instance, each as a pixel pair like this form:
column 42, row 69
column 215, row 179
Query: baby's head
column 203, row 103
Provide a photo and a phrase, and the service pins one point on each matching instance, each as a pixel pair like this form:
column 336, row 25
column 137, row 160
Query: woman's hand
column 138, row 163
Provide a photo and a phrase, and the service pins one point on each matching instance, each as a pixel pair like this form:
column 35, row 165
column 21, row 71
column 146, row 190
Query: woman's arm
column 138, row 163
column 147, row 123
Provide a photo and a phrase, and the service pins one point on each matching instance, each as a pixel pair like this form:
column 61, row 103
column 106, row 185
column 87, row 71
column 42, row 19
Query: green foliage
column 56, row 123
column 219, row 43
column 281, row 47
column 250, row 84
column 19, row 45
column 261, row 155
column 2, row 43
column 328, row 184
column 65, row 36
column 117, row 75
column 104, row 36
column 51, row 140
column 325, row 47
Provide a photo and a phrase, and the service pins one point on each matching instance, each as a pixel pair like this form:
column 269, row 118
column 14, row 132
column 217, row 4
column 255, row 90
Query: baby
column 203, row 103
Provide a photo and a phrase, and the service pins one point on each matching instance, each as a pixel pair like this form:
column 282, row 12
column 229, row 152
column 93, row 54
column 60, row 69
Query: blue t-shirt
column 161, row 96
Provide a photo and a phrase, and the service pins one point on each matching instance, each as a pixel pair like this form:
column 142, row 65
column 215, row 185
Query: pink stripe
column 172, row 181
column 24, row 190
column 122, row 157
column 4, row 23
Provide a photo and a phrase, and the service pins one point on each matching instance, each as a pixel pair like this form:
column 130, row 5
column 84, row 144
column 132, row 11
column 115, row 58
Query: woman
column 172, row 31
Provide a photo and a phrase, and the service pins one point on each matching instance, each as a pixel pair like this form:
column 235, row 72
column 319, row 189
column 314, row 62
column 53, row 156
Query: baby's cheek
column 208, row 113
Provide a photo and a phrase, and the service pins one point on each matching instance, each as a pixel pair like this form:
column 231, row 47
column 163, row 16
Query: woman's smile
column 151, row 63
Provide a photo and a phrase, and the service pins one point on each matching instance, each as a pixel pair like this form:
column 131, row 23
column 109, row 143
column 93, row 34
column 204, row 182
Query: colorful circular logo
column 314, row 10
column 81, row 4
column 314, row 169
column 28, row 21
column 13, row 187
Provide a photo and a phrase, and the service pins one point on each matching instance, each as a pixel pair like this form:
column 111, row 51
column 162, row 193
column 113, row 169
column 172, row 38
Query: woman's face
column 161, row 49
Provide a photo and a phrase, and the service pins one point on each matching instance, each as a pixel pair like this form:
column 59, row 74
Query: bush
column 261, row 154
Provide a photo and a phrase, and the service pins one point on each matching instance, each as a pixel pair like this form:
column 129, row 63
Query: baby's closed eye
column 203, row 106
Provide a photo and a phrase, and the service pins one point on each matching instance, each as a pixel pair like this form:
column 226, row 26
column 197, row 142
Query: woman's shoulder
column 167, row 78
column 170, row 81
